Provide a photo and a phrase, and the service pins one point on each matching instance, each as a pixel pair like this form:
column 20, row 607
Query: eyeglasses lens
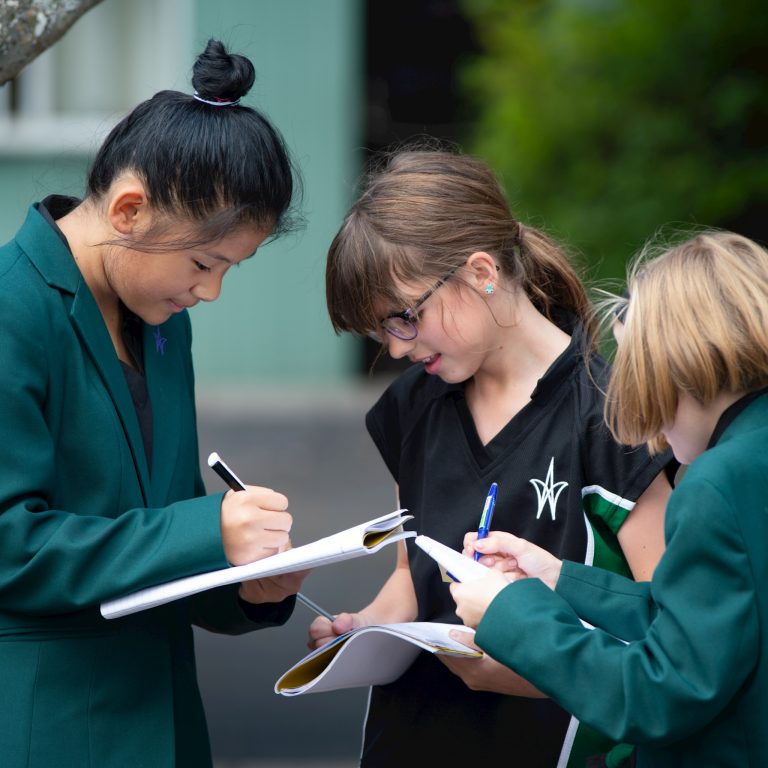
column 400, row 328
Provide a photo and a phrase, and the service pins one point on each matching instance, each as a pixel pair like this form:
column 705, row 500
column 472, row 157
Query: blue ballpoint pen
column 487, row 516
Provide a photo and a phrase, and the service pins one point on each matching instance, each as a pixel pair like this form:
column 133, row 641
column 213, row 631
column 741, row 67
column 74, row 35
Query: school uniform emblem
column 548, row 491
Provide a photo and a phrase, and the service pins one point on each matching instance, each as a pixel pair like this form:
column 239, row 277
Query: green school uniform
column 83, row 518
column 690, row 684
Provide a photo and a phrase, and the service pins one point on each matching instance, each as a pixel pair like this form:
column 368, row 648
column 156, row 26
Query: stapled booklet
column 360, row 540
column 456, row 566
column 373, row 655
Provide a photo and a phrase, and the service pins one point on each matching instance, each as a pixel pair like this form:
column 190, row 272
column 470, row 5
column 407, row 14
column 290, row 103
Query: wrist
column 554, row 575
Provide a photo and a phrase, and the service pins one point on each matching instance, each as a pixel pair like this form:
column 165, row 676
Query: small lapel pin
column 159, row 341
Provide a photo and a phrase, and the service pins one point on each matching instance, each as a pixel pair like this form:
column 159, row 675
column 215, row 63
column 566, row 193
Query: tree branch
column 28, row 27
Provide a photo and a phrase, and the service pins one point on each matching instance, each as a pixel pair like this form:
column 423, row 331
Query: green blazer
column 690, row 684
column 83, row 518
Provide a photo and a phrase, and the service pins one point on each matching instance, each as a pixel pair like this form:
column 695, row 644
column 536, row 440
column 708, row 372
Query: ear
column 128, row 209
column 483, row 272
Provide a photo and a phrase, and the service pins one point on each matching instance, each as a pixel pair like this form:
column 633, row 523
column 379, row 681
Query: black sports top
column 563, row 482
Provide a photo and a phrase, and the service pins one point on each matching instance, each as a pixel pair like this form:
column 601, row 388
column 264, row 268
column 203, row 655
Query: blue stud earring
column 489, row 288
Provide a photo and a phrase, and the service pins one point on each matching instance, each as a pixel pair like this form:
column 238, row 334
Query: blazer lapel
column 90, row 326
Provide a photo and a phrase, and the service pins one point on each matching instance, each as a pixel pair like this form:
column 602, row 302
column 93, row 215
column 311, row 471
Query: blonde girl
column 681, row 660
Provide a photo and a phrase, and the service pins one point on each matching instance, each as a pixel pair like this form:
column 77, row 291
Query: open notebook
column 373, row 655
column 363, row 539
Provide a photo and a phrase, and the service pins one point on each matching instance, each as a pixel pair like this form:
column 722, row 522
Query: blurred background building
column 607, row 120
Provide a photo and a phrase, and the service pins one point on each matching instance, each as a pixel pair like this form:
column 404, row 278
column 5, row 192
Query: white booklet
column 373, row 655
column 458, row 567
column 363, row 539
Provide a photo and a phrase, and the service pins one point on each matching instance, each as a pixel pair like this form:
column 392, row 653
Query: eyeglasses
column 402, row 325
column 620, row 311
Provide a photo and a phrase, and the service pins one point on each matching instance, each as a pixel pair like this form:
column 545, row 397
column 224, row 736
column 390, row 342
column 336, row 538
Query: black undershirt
column 136, row 380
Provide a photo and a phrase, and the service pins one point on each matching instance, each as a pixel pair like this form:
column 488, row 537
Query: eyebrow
column 219, row 257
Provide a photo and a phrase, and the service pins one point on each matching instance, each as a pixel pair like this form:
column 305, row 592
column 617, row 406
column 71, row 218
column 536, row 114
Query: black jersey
column 563, row 483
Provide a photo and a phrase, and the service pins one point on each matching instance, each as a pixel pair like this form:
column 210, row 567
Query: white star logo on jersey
column 548, row 491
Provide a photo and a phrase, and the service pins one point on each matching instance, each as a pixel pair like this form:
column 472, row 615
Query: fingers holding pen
column 322, row 630
column 254, row 524
column 516, row 557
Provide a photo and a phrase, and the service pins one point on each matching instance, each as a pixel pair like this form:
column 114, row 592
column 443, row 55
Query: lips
column 431, row 363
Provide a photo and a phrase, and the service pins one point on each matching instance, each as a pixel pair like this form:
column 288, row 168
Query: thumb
column 499, row 543
column 345, row 622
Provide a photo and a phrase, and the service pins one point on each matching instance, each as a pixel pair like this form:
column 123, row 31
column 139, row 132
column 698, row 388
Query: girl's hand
column 254, row 524
column 322, row 631
column 515, row 557
column 473, row 597
column 487, row 674
column 272, row 589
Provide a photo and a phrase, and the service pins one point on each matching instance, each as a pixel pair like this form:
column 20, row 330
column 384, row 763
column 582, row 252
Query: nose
column 397, row 348
column 208, row 287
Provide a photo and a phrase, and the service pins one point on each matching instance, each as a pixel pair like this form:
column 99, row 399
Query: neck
column 719, row 406
column 526, row 345
column 86, row 232
column 524, row 348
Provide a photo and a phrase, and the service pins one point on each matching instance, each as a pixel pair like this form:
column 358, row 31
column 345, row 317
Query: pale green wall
column 272, row 323
column 25, row 179
column 270, row 326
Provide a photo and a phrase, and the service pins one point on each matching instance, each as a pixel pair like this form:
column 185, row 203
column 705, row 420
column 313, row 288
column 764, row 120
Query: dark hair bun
column 218, row 75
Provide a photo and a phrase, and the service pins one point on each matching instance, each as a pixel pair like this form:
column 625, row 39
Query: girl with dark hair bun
column 204, row 159
column 100, row 487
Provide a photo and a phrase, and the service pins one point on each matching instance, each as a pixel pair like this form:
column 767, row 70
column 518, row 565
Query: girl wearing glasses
column 504, row 388
column 691, row 685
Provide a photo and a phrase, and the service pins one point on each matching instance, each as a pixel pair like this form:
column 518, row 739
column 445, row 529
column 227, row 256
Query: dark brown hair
column 421, row 214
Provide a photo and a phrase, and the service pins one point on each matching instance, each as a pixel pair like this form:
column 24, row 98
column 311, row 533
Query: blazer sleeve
column 616, row 604
column 222, row 611
column 700, row 645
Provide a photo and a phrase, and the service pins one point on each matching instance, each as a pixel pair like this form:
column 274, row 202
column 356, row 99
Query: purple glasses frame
column 402, row 325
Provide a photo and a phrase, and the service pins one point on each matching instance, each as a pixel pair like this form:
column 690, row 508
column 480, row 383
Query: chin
column 156, row 318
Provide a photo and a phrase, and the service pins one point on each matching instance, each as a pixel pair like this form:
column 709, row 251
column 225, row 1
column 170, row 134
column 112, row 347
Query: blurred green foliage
column 610, row 119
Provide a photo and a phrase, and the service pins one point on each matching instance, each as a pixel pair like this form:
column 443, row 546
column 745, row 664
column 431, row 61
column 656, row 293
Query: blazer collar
column 733, row 411
column 45, row 249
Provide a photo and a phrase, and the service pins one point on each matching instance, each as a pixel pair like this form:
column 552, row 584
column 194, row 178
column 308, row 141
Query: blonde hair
column 422, row 213
column 697, row 322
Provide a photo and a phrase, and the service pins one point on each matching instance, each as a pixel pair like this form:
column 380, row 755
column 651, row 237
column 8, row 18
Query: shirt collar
column 731, row 412
column 55, row 207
